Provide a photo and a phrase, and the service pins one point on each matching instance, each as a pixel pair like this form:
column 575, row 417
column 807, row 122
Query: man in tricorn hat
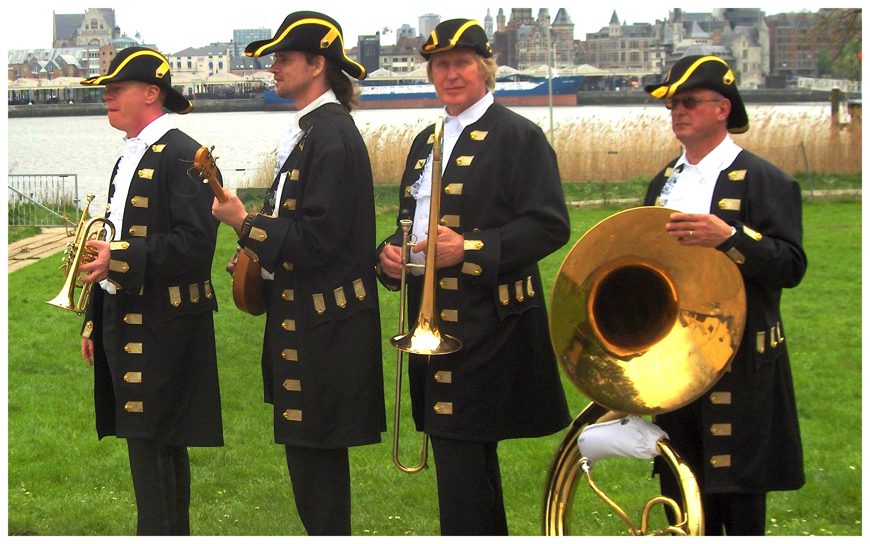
column 315, row 240
column 741, row 438
column 502, row 210
column 149, row 329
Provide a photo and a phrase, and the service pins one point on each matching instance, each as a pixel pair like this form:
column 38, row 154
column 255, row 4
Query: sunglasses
column 689, row 102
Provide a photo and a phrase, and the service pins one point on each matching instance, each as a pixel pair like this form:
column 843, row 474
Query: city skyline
column 187, row 25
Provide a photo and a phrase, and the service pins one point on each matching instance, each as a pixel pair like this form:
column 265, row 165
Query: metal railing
column 43, row 200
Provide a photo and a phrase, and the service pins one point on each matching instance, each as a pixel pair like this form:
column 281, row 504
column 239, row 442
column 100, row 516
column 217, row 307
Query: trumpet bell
column 641, row 323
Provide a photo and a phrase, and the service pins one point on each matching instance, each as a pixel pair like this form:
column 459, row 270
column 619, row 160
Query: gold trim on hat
column 159, row 72
column 451, row 43
column 329, row 37
column 670, row 90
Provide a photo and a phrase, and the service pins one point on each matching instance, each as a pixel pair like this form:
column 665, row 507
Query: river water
column 88, row 147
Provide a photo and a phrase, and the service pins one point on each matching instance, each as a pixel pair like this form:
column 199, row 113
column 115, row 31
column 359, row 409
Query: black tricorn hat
column 310, row 32
column 457, row 33
column 145, row 65
column 705, row 72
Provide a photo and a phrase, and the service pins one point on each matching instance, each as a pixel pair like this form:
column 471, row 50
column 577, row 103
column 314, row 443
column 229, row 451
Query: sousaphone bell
column 641, row 325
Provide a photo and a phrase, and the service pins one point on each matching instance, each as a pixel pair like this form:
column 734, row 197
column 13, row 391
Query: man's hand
column 88, row 350
column 692, row 229
column 97, row 269
column 391, row 261
column 450, row 248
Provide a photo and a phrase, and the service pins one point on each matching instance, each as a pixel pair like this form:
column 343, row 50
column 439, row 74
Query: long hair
column 341, row 84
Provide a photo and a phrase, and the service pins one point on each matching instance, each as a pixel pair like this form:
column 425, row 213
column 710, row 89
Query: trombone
column 424, row 338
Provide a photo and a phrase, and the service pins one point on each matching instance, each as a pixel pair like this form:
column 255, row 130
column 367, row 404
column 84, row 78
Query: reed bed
column 618, row 144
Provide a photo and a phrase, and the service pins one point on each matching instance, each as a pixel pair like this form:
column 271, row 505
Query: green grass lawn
column 63, row 481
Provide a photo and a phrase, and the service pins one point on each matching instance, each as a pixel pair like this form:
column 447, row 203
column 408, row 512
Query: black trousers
column 321, row 487
column 161, row 473
column 470, row 498
column 732, row 514
column 161, row 480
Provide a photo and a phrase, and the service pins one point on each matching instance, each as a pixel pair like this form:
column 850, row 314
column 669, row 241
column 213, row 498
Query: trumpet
column 76, row 253
column 425, row 337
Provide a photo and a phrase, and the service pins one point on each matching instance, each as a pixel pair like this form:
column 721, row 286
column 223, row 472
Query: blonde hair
column 487, row 66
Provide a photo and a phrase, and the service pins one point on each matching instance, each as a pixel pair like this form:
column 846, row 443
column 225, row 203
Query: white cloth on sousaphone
column 629, row 436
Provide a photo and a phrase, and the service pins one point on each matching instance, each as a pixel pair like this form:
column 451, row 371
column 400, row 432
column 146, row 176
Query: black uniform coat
column 165, row 385
column 501, row 190
column 322, row 347
column 742, row 436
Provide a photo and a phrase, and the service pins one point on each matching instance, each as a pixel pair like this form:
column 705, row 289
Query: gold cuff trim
column 134, row 406
column 472, row 245
column 88, row 330
column 735, row 255
column 258, row 234
column 530, row 287
column 133, row 377
column 207, row 286
column 759, row 342
column 752, row 234
column 133, row 319
column 443, row 408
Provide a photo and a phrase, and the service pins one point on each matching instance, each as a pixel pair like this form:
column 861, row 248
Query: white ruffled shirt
column 421, row 190
column 690, row 187
column 134, row 150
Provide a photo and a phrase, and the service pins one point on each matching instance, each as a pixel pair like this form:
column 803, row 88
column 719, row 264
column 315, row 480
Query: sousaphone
column 641, row 325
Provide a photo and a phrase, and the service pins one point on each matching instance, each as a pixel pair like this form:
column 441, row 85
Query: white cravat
column 690, row 187
column 421, row 190
column 134, row 150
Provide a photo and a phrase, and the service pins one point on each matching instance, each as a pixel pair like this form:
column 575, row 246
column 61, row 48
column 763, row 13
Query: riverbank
column 585, row 98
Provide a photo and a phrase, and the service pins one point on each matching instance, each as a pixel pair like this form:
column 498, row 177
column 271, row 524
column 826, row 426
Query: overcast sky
column 178, row 24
